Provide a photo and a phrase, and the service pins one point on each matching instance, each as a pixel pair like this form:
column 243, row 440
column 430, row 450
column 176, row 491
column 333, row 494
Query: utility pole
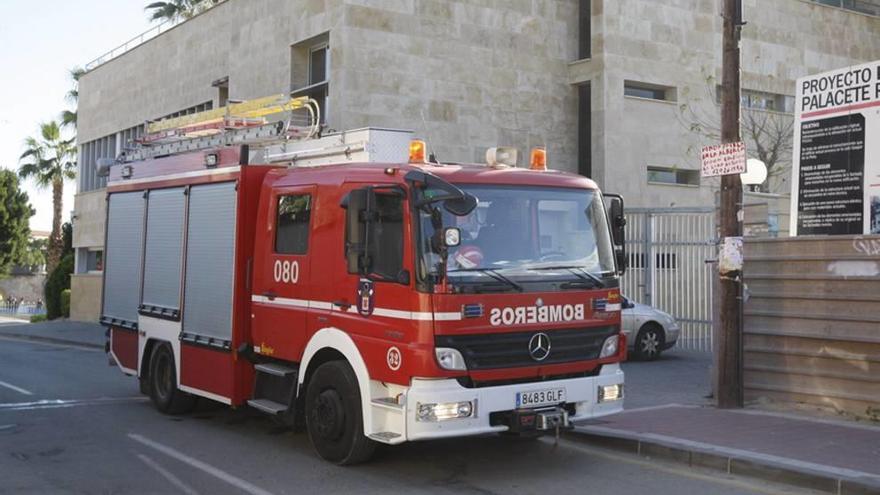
column 729, row 386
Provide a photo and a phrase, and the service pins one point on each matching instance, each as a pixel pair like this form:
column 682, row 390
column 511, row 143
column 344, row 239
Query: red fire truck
column 356, row 288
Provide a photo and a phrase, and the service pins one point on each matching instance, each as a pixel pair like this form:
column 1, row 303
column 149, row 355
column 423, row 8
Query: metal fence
column 669, row 250
column 21, row 310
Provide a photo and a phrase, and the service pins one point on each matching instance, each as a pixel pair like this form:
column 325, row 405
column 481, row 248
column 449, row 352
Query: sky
column 41, row 42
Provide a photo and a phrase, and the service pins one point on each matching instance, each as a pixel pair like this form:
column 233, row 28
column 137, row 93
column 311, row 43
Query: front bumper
column 672, row 333
column 581, row 393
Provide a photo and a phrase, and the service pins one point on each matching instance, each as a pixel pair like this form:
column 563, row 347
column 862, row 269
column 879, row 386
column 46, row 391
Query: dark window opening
column 584, row 33
column 585, row 131
column 310, row 71
column 671, row 175
column 385, row 243
column 318, row 64
column 292, row 224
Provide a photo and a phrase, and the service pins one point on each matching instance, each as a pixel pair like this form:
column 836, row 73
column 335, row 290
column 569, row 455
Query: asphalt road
column 69, row 423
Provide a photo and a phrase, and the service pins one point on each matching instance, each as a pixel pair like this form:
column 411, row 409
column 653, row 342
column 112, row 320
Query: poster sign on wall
column 836, row 163
column 723, row 159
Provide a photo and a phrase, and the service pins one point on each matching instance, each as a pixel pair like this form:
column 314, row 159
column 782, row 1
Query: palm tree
column 68, row 117
column 50, row 160
column 175, row 10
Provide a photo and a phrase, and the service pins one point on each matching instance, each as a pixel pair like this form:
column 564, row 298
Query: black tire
column 167, row 398
column 334, row 419
column 649, row 342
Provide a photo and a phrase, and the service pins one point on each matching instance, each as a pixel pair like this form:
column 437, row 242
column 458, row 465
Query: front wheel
column 334, row 417
column 649, row 342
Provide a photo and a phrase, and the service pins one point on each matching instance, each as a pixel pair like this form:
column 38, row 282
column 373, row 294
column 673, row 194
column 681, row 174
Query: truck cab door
column 282, row 272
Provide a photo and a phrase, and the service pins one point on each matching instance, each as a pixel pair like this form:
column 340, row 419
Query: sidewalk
column 827, row 455
column 59, row 331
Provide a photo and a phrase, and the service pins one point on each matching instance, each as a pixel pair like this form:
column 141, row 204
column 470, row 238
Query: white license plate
column 538, row 398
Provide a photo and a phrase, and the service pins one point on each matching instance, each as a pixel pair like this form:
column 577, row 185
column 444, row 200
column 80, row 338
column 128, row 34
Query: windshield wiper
column 492, row 273
column 579, row 272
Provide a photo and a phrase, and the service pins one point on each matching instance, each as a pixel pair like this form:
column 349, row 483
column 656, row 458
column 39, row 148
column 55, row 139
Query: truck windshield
column 523, row 234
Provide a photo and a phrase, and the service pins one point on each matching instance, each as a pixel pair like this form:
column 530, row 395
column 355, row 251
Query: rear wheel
column 163, row 383
column 334, row 418
column 649, row 342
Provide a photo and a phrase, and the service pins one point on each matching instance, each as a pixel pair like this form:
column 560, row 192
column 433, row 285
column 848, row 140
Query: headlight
column 444, row 411
column 609, row 348
column 450, row 359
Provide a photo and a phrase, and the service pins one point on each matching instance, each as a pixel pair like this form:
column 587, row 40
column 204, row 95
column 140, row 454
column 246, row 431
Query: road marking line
column 174, row 480
column 17, row 389
column 7, row 427
column 207, row 468
column 63, row 345
column 57, row 403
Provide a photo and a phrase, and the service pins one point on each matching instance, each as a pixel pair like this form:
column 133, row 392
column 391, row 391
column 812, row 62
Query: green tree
column 56, row 283
column 15, row 213
column 35, row 255
column 68, row 117
column 50, row 160
column 176, row 10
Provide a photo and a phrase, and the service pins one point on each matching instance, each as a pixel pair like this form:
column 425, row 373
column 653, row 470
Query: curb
column 731, row 461
column 51, row 340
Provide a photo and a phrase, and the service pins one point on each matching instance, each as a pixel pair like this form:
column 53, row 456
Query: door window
column 292, row 224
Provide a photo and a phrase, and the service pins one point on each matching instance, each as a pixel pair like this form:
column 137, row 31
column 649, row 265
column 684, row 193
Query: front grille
column 511, row 350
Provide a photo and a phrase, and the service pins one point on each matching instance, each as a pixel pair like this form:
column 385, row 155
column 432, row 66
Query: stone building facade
column 619, row 90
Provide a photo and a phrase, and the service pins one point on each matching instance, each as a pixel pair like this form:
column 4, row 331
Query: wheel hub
column 328, row 415
column 650, row 343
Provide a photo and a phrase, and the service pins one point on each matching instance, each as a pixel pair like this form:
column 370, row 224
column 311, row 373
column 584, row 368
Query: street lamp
column 755, row 174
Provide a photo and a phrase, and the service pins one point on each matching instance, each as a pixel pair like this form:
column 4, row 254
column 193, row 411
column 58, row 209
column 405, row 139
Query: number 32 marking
column 286, row 271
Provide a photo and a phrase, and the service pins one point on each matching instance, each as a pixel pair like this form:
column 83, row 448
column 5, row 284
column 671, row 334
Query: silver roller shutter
column 210, row 259
column 164, row 251
column 122, row 259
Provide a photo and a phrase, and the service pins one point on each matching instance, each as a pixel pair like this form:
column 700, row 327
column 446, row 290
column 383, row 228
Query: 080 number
column 286, row 271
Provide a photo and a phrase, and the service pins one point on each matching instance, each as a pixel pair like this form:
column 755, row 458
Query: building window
column 95, row 261
column 585, row 131
column 222, row 86
column 292, row 224
column 310, row 71
column 673, row 175
column 648, row 91
column 584, row 34
column 870, row 7
column 318, row 59
column 761, row 100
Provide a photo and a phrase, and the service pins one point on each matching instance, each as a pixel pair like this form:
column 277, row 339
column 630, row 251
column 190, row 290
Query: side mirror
column 617, row 219
column 461, row 206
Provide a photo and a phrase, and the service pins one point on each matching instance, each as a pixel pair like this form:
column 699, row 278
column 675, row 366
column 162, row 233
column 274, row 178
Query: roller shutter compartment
column 123, row 259
column 210, row 260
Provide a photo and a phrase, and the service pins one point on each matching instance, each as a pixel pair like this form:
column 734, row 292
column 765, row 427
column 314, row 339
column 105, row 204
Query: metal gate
column 668, row 269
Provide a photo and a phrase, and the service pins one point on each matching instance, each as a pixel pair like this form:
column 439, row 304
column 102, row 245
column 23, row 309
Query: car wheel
column 163, row 383
column 649, row 342
column 334, row 418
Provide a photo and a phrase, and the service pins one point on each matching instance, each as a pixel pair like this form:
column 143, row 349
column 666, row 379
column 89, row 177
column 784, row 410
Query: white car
column 648, row 330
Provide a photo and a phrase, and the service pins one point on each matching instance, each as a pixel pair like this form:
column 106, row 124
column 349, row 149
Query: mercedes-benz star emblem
column 539, row 346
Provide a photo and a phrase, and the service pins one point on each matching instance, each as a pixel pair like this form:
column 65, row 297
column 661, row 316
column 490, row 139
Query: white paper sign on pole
column 723, row 159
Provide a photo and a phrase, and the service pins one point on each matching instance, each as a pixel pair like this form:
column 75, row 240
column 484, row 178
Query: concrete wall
column 85, row 297
column 89, row 216
column 465, row 75
column 677, row 44
column 28, row 287
column 811, row 322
